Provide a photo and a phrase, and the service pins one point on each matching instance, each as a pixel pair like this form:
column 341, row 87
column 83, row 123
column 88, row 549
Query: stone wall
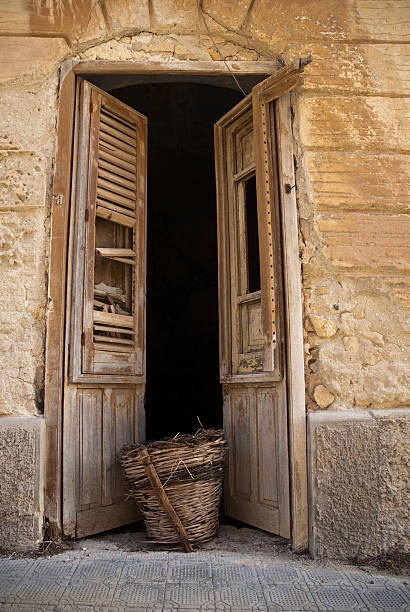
column 358, row 466
column 21, row 482
column 351, row 126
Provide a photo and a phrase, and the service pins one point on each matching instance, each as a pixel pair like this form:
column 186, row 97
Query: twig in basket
column 187, row 469
column 199, row 421
column 172, row 473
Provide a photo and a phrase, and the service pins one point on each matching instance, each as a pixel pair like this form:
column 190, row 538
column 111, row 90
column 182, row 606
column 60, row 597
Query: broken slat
column 106, row 252
column 116, row 208
column 113, row 319
column 98, row 338
column 114, row 330
column 106, row 347
column 114, row 216
column 131, row 262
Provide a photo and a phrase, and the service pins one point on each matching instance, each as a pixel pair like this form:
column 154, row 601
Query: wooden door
column 251, row 313
column 105, row 329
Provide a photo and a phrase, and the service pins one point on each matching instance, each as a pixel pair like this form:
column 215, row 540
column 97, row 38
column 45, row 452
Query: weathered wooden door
column 105, row 328
column 252, row 362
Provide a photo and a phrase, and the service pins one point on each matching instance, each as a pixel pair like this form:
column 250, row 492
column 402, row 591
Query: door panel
column 102, row 421
column 255, row 491
column 253, row 371
column 105, row 334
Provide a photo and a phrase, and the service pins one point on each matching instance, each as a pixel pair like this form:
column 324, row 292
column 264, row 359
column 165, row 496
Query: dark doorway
column 182, row 283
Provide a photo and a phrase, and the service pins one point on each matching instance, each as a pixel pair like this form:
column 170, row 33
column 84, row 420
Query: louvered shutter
column 108, row 291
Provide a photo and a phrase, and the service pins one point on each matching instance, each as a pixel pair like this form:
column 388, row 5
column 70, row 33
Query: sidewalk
column 97, row 577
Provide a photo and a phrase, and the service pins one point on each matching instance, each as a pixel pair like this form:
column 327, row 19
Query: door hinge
column 58, row 199
column 86, row 214
column 82, row 339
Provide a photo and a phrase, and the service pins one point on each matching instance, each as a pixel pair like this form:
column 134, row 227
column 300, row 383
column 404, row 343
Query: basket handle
column 164, row 500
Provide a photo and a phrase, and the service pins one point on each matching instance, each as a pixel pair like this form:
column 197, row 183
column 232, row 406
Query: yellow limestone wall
column 351, row 129
column 352, row 141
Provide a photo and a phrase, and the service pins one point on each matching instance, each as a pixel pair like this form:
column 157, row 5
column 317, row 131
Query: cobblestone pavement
column 206, row 580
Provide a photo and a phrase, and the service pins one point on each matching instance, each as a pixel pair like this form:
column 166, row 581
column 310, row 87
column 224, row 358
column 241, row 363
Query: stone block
column 366, row 240
column 359, row 181
column 350, row 67
column 127, row 15
column 272, row 20
column 355, row 123
column 92, row 30
column 231, row 14
column 28, row 117
column 311, row 21
column 21, row 482
column 176, row 15
column 359, row 498
column 29, row 55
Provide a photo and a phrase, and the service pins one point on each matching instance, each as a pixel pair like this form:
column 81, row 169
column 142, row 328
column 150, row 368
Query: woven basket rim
column 178, row 442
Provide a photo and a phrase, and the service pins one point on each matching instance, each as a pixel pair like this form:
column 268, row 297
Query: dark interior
column 182, row 283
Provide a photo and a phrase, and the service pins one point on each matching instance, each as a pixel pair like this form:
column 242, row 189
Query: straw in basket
column 177, row 485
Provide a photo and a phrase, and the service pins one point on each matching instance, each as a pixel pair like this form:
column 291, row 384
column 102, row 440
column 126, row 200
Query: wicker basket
column 190, row 470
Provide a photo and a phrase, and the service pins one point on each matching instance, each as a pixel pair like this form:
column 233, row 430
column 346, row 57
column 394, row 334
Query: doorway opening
column 182, row 277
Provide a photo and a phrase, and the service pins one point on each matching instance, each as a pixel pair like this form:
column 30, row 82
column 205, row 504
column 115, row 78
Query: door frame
column 56, row 307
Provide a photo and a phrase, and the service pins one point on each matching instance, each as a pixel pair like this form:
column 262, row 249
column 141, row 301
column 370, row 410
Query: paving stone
column 168, row 581
column 189, row 596
column 382, row 598
column 36, row 591
column 279, row 574
column 338, row 598
column 145, row 570
column 189, row 572
column 97, row 569
column 86, row 592
column 226, row 574
column 289, row 597
column 242, row 597
column 363, row 578
column 9, row 587
column 326, row 577
column 138, row 593
column 46, row 569
column 15, row 567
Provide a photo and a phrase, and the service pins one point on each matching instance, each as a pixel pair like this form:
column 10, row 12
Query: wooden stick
column 163, row 499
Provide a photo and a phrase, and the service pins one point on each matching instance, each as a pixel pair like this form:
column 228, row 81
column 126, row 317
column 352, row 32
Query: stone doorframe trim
column 54, row 373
